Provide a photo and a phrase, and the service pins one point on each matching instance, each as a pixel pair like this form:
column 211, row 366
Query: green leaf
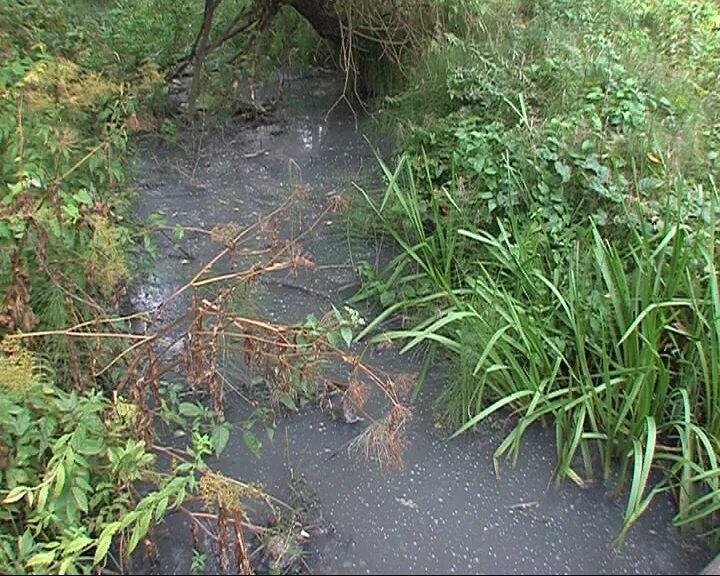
column 311, row 322
column 68, row 566
column 338, row 315
column 16, row 494
column 648, row 185
column 80, row 498
column 190, row 410
column 220, row 437
column 179, row 233
column 156, row 219
column 83, row 197
column 270, row 432
column 332, row 337
column 42, row 558
column 26, row 543
column 18, row 228
column 140, row 530
column 387, row 297
column 563, row 170
column 104, row 541
column 42, row 497
column 82, row 482
column 287, row 401
column 80, row 543
column 252, row 443
column 346, row 333
column 180, row 496
column 91, row 446
column 72, row 211
column 161, row 507
column 59, row 481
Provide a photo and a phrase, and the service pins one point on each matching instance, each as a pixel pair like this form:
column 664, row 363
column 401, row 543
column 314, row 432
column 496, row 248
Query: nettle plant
column 584, row 164
column 68, row 466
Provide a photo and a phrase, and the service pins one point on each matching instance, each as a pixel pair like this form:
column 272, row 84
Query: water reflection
column 312, row 136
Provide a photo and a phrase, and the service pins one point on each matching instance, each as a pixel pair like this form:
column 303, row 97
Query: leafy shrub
column 68, row 468
column 68, row 460
column 555, row 202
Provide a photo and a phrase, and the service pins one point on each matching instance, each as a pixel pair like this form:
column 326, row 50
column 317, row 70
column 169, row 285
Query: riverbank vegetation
column 553, row 192
column 555, row 195
column 108, row 416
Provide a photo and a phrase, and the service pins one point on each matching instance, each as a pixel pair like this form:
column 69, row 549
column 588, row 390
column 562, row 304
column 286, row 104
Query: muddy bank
column 446, row 512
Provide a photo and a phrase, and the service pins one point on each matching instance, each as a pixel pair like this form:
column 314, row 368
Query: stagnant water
column 446, row 512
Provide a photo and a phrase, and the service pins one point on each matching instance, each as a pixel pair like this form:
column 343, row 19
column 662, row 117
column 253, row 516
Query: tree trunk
column 200, row 53
column 321, row 15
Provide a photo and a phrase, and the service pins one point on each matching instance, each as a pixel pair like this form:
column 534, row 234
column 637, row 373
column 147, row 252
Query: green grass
column 617, row 348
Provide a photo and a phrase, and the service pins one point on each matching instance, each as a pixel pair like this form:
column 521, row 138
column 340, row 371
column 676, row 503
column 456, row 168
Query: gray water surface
column 446, row 512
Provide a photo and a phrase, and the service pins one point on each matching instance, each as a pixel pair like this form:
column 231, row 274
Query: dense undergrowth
column 83, row 480
column 554, row 195
column 555, row 198
column 68, row 455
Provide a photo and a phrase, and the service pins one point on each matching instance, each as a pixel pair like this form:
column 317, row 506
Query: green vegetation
column 85, row 405
column 555, row 199
column 69, row 457
column 554, row 195
column 82, row 477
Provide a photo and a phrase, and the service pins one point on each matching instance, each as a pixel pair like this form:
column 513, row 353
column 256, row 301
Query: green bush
column 69, row 460
column 68, row 467
column 555, row 202
column 616, row 344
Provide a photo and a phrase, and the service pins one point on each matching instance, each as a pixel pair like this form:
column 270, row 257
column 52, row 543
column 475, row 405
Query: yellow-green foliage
column 107, row 255
column 16, row 366
column 216, row 488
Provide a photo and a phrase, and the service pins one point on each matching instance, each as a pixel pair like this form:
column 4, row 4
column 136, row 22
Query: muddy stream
column 446, row 512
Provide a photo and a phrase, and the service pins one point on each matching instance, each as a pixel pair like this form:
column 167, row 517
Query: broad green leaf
column 311, row 322
column 220, row 437
column 80, row 498
column 91, row 446
column 333, row 339
column 190, row 410
column 83, row 197
column 104, row 541
column 80, row 543
column 140, row 530
column 68, row 566
column 42, row 497
column 161, row 507
column 346, row 333
column 72, row 211
column 563, row 170
column 252, row 443
column 288, row 402
column 42, row 558
column 26, row 543
column 59, row 481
